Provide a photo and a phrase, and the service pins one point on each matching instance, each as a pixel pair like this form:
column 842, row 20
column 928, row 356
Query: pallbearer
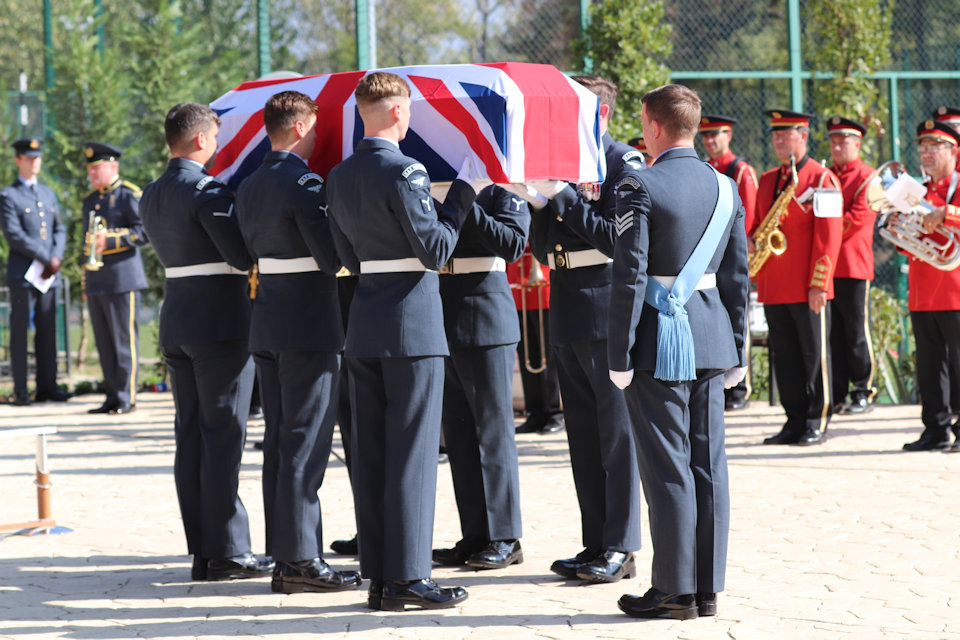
column 296, row 338
column 851, row 351
column 482, row 332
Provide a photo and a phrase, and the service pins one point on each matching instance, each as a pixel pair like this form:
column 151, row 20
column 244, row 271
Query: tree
column 541, row 31
column 852, row 41
column 628, row 43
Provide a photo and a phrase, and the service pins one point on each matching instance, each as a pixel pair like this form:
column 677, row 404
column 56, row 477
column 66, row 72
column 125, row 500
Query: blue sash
column 676, row 360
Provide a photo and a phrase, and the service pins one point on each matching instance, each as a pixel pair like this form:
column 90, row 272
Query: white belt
column 205, row 269
column 474, row 265
column 576, row 259
column 708, row 281
column 276, row 266
column 392, row 266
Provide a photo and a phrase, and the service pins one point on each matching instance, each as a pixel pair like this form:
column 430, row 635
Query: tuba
column 94, row 259
column 768, row 238
column 534, row 278
column 940, row 249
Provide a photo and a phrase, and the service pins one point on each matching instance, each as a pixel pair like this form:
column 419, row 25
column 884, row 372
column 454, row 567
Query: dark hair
column 186, row 120
column 605, row 89
column 285, row 109
column 676, row 108
column 378, row 86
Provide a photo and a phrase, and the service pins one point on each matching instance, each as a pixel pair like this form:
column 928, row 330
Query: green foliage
column 759, row 372
column 851, row 39
column 895, row 370
column 628, row 42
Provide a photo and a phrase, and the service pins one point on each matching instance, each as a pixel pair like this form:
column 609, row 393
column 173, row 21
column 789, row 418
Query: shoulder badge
column 630, row 155
column 629, row 182
column 204, row 181
column 311, row 177
column 415, row 175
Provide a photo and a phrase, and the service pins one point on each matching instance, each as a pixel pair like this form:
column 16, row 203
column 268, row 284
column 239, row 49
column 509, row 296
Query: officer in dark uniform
column 576, row 235
column 296, row 338
column 482, row 331
column 204, row 325
column 389, row 230
column 35, row 234
column 113, row 288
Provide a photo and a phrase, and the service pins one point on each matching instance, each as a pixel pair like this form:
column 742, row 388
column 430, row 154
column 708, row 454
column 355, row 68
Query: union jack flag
column 522, row 121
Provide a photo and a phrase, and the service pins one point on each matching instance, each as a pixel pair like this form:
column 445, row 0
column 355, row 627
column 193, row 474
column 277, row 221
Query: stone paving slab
column 852, row 540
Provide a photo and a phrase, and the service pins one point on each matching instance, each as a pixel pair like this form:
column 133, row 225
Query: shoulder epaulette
column 137, row 191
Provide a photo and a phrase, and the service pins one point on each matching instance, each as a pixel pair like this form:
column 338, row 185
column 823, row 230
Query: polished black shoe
column 609, row 566
column 426, row 594
column 930, row 440
column 198, row 571
column 854, row 407
column 568, row 567
column 552, row 425
column 106, row 407
column 457, row 555
column 375, row 594
column 345, row 547
column 706, row 603
column 656, row 604
column 256, row 412
column 735, row 404
column 810, row 437
column 311, row 575
column 787, row 435
column 21, row 399
column 954, row 448
column 532, row 424
column 123, row 408
column 245, row 566
column 497, row 554
column 57, row 395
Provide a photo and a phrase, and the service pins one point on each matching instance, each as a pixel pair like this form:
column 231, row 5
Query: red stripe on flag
column 232, row 150
column 438, row 95
column 329, row 149
column 551, row 120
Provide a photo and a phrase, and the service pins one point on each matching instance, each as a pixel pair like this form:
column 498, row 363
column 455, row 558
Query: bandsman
column 796, row 286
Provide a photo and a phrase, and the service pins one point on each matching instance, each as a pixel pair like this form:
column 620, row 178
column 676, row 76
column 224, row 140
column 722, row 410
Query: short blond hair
column 676, row 108
column 378, row 86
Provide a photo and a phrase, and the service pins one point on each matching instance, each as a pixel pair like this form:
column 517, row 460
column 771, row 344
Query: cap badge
column 928, row 124
column 34, row 143
column 89, row 152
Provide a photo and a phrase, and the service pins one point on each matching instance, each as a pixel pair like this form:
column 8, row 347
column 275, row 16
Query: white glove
column 732, row 377
column 621, row 378
column 474, row 173
column 548, row 188
column 531, row 195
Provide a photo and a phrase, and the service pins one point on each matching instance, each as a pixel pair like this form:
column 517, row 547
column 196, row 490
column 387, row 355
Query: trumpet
column 534, row 279
column 888, row 193
column 94, row 258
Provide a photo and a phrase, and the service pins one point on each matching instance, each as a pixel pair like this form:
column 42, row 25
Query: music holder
column 44, row 522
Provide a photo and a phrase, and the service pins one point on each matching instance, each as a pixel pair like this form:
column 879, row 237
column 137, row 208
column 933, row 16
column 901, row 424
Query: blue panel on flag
column 357, row 128
column 415, row 147
column 220, row 112
column 250, row 164
column 493, row 107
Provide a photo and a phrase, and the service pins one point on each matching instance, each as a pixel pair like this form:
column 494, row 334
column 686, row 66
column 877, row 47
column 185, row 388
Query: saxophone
column 768, row 238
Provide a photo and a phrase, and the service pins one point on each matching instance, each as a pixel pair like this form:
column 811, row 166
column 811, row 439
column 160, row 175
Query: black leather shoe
column 568, row 567
column 375, row 594
column 954, row 448
column 860, row 405
column 497, row 554
column 122, row 408
column 21, row 399
column 532, row 424
column 57, row 395
column 810, row 437
column 930, row 440
column 706, row 603
column 425, row 594
column 245, row 566
column 311, row 575
column 656, row 604
column 735, row 404
column 609, row 566
column 106, row 407
column 552, row 425
column 458, row 555
column 256, row 412
column 345, row 547
column 787, row 435
column 199, row 569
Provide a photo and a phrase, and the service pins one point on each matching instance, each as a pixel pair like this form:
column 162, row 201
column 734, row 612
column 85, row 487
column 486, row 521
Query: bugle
column 534, row 278
column 94, row 258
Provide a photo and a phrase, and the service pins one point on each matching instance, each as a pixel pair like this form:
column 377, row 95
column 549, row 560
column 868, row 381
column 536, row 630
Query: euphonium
column 768, row 238
column 94, row 258
column 534, row 278
column 905, row 230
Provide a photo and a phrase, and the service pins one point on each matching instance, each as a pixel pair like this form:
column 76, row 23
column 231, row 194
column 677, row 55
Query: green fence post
column 584, row 23
column 263, row 38
column 796, row 62
column 366, row 35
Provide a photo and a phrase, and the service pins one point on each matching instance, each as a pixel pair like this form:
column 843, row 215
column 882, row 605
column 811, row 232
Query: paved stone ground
column 853, row 539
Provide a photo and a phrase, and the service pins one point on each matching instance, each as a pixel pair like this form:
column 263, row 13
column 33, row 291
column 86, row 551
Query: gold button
column 97, row 207
column 558, row 248
column 40, row 204
column 27, row 210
